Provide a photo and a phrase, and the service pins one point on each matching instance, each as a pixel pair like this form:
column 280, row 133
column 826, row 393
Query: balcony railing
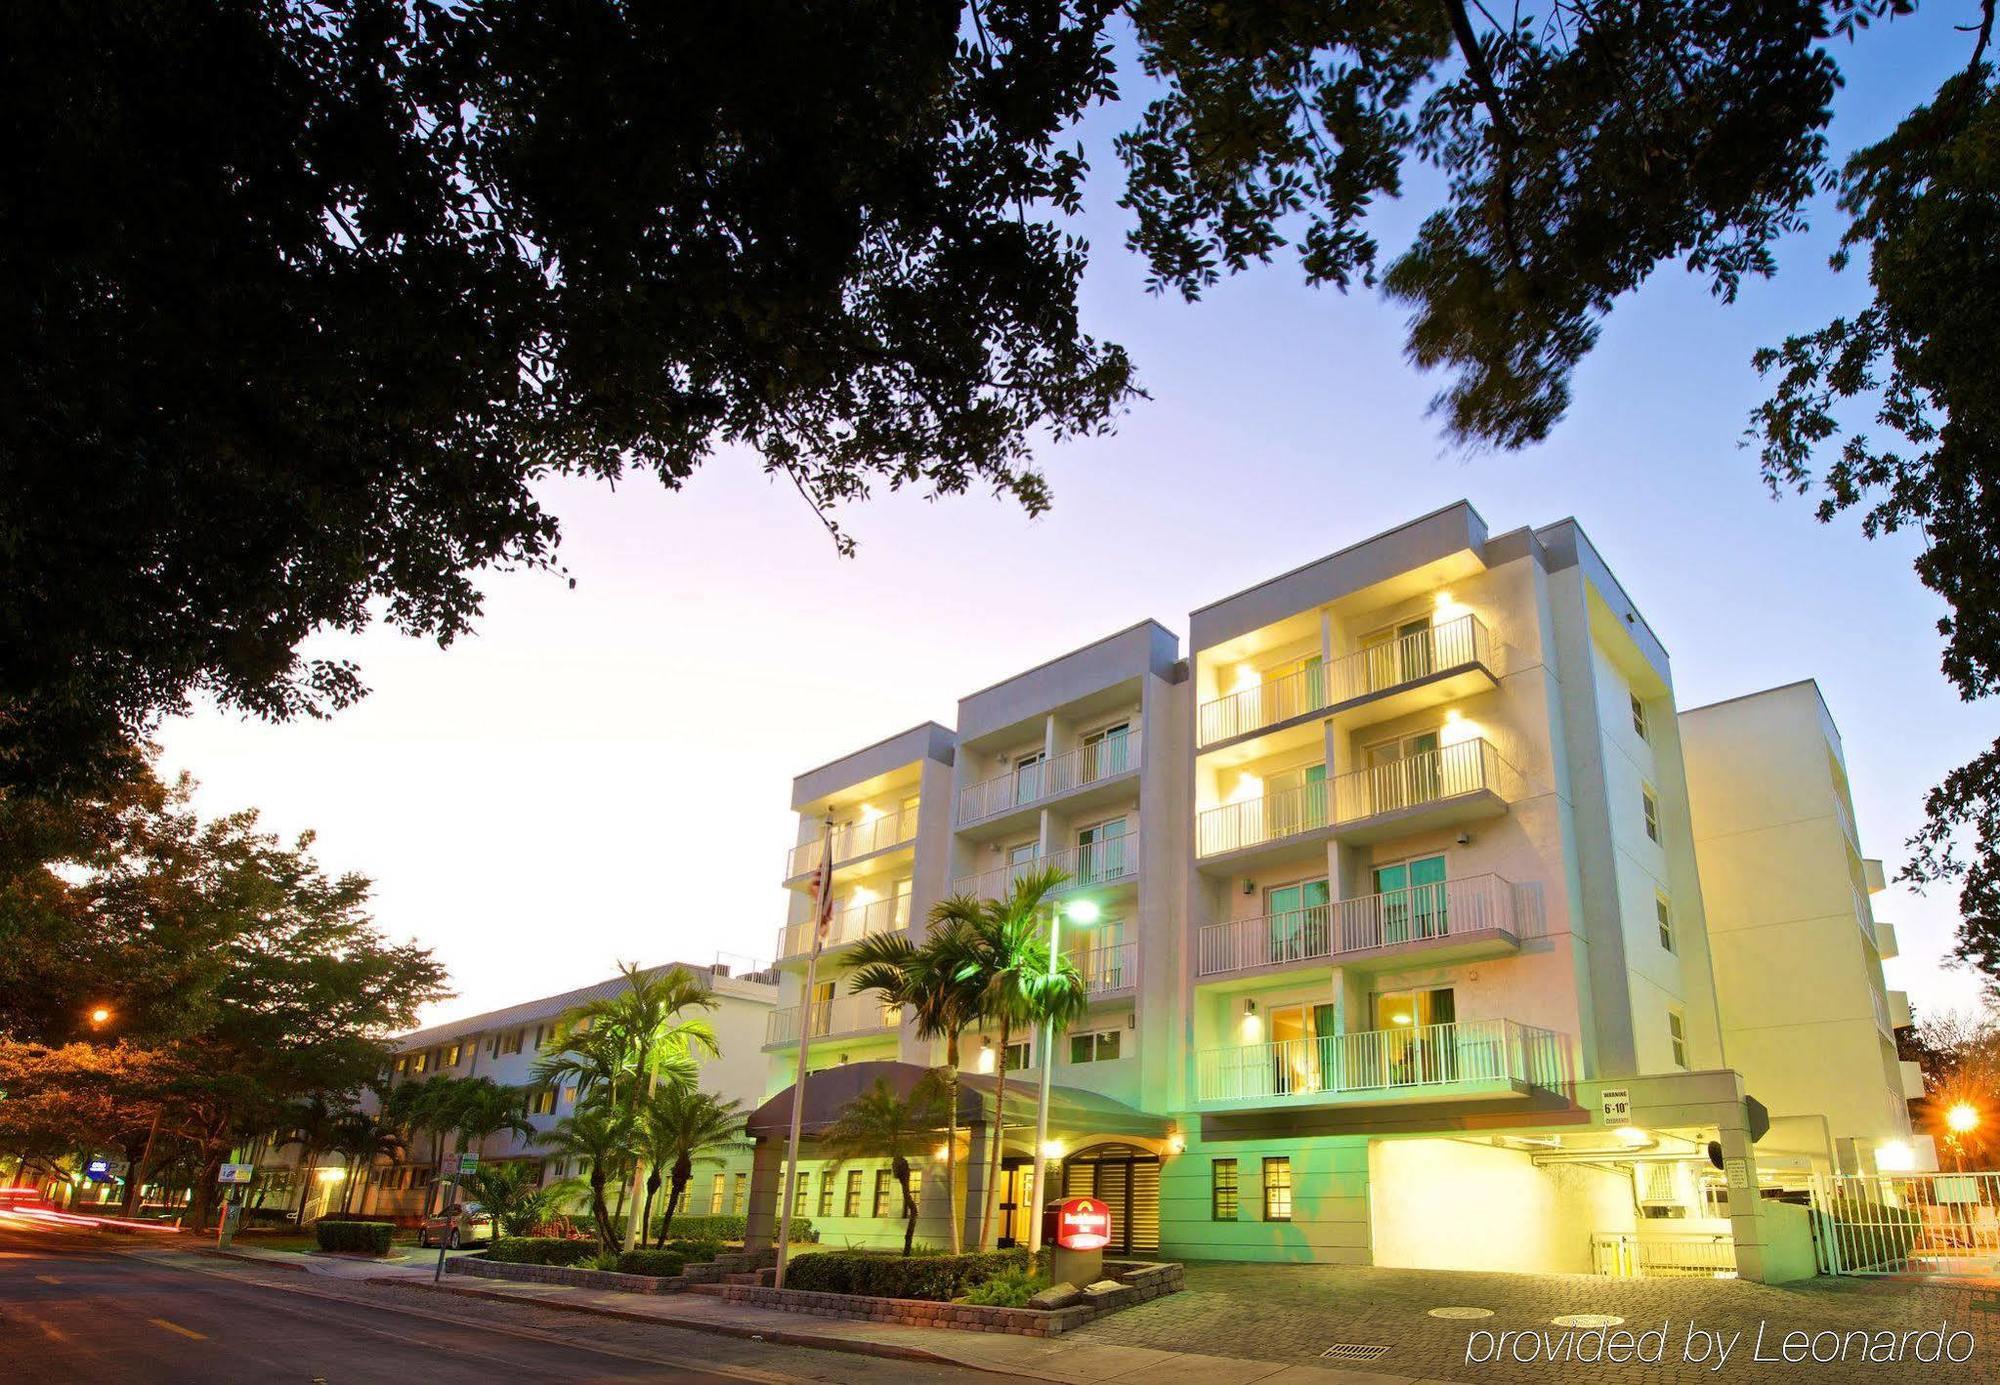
column 844, row 1014
column 1378, row 1061
column 1419, row 913
column 1032, row 783
column 1447, row 645
column 848, row 925
column 1096, row 863
column 1428, row 777
column 1109, row 969
column 851, row 840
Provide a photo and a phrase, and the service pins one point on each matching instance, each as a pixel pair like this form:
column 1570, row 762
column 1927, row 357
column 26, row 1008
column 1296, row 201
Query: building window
column 741, row 1192
column 417, row 1063
column 1652, row 806
column 452, row 1055
column 715, row 1191
column 1098, row 1046
column 853, row 1204
column 826, row 1193
column 916, row 1195
column 510, row 1044
column 882, row 1185
column 1677, row 1037
column 542, row 1102
column 802, row 1192
column 402, row 1066
column 1277, row 1190
column 569, row 1095
column 1665, row 913
column 1638, row 716
column 1020, row 1054
column 1222, row 1189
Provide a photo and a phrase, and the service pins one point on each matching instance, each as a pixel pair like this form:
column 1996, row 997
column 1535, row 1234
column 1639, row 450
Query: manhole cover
column 1461, row 1312
column 1353, row 1351
column 1587, row 1320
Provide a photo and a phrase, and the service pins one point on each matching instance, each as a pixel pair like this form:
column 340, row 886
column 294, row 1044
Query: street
column 74, row 1307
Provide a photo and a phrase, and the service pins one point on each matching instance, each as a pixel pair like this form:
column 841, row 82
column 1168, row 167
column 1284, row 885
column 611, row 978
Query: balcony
column 1456, row 654
column 1031, row 785
column 851, row 841
column 1109, row 970
column 1434, row 788
column 1470, row 1060
column 836, row 1018
column 1451, row 920
column 848, row 925
column 1109, row 862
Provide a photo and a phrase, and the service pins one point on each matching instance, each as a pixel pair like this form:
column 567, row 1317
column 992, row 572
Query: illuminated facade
column 1402, row 943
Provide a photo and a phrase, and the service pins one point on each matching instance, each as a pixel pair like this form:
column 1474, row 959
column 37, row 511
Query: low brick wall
column 1137, row 1282
column 480, row 1268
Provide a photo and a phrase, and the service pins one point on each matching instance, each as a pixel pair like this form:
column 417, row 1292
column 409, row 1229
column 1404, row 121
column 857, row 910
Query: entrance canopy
column 829, row 1092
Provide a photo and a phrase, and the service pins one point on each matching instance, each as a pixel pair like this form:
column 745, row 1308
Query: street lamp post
column 1084, row 912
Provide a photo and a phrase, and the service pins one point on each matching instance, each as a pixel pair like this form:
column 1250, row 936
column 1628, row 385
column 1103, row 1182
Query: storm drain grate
column 1354, row 1351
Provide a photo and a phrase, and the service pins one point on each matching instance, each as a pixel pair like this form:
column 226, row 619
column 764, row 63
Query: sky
column 603, row 774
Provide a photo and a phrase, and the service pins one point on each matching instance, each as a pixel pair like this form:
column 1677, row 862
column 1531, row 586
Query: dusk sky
column 603, row 774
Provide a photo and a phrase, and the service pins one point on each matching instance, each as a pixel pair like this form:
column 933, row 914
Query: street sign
column 1617, row 1105
column 467, row 1163
column 1082, row 1223
column 236, row 1173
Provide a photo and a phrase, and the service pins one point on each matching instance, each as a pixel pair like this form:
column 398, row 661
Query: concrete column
column 1739, row 1163
column 767, row 1170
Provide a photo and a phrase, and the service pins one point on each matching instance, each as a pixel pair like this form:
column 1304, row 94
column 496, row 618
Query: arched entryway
column 1127, row 1180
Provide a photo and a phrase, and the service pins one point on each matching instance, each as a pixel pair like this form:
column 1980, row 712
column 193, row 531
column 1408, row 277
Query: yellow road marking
column 48, row 1279
column 176, row 1327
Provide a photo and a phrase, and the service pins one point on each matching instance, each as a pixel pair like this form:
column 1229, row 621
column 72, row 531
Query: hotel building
column 1403, row 954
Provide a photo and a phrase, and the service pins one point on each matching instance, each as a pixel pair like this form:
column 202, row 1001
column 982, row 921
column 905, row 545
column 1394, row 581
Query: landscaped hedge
column 692, row 1251
column 657, row 1262
column 541, row 1250
column 370, row 1236
column 937, row 1277
column 730, row 1229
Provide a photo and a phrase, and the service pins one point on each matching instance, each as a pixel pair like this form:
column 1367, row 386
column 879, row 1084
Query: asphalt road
column 72, row 1309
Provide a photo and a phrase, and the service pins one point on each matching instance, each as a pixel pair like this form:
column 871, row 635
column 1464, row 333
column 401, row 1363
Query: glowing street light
column 1962, row 1119
column 100, row 1015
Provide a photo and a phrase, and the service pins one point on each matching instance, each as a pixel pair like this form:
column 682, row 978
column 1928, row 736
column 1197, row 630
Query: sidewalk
column 1063, row 1359
column 417, row 1265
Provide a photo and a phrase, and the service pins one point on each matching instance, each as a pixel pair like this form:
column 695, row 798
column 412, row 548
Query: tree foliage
column 1894, row 412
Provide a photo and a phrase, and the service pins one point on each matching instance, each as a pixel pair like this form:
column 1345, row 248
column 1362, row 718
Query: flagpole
column 822, row 912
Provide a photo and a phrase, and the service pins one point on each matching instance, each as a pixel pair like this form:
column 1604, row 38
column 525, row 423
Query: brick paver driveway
column 1295, row 1312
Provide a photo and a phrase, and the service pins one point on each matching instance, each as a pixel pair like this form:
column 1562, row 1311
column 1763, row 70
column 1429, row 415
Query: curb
column 212, row 1253
column 780, row 1336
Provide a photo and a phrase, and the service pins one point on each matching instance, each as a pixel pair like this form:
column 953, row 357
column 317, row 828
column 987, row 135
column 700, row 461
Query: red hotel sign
column 1082, row 1223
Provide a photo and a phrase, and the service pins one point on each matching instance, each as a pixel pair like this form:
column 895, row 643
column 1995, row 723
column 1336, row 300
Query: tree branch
column 1507, row 139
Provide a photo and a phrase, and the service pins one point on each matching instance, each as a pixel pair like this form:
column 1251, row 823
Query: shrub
column 1007, row 1289
column 694, row 1252
column 654, row 1262
column 370, row 1236
column 606, row 1260
column 1872, row 1236
column 940, row 1278
column 727, row 1228
column 541, row 1250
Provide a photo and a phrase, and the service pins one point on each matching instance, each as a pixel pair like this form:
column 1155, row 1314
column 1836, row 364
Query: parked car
column 456, row 1224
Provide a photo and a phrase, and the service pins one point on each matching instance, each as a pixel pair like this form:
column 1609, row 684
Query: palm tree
column 482, row 1107
column 597, row 1135
column 312, row 1124
column 511, row 1194
column 936, row 981
column 358, row 1137
column 628, row 1042
column 1008, row 959
column 429, row 1107
column 683, row 1125
column 879, row 1123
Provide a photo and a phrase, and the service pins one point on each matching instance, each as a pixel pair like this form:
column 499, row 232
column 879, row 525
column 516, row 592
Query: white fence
column 1100, row 759
column 1370, row 1060
column 1907, row 1223
column 1630, row 1255
column 1095, row 863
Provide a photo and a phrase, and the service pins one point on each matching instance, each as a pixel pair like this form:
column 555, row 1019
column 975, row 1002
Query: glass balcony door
column 1403, row 772
column 1398, row 654
column 1412, row 899
column 1295, row 919
column 1418, row 1043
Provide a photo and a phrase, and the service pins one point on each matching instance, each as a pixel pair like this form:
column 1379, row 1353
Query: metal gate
column 1907, row 1223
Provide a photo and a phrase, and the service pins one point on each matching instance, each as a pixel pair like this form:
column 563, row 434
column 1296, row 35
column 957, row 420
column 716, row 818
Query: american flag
column 822, row 889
